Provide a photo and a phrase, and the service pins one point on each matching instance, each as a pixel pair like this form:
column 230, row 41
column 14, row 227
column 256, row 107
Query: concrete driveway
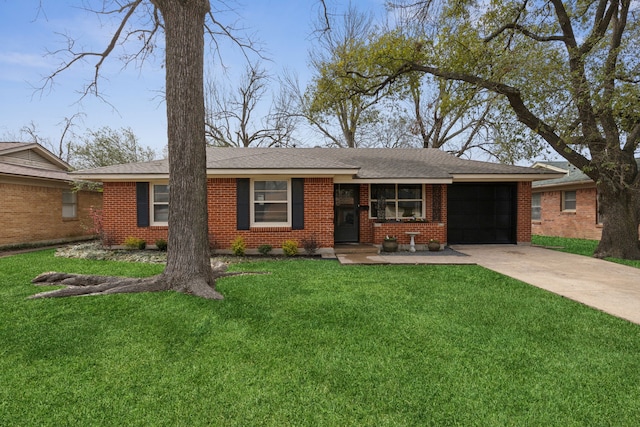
column 604, row 285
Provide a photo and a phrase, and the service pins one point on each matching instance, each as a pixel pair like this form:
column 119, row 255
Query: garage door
column 481, row 213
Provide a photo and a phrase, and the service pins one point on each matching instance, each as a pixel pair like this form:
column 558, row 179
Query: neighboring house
column 269, row 195
column 38, row 203
column 566, row 206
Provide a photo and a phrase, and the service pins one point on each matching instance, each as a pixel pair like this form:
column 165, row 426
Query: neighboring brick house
column 566, row 206
column 269, row 195
column 37, row 201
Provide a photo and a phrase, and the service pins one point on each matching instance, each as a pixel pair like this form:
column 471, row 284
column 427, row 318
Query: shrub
column 135, row 243
column 290, row 247
column 238, row 246
column 97, row 227
column 310, row 244
column 161, row 244
column 265, row 249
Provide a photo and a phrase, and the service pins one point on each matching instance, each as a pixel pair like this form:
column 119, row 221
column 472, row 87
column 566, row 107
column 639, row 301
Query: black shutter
column 243, row 193
column 142, row 204
column 297, row 203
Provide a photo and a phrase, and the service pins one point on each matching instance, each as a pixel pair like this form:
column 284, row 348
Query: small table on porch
column 412, row 243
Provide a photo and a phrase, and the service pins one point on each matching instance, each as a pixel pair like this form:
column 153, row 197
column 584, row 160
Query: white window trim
column 152, row 203
column 564, row 209
column 253, row 223
column 539, row 206
column 74, row 204
column 423, row 194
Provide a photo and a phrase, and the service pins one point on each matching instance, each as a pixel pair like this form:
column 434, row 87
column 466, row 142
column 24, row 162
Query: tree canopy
column 106, row 146
column 569, row 71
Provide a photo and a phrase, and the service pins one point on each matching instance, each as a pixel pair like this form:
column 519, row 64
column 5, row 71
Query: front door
column 345, row 203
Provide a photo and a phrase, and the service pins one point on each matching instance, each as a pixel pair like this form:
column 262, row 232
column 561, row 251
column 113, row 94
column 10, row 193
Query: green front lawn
column 313, row 343
column 577, row 246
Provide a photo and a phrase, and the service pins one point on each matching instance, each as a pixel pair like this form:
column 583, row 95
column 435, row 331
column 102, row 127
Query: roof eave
column 511, row 177
column 565, row 184
column 540, row 165
column 391, row 180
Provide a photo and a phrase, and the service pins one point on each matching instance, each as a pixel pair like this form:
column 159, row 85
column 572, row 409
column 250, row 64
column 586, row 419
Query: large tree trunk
column 620, row 215
column 188, row 258
column 188, row 267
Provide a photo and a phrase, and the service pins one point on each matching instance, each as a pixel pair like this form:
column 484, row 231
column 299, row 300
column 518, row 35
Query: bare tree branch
column 92, row 87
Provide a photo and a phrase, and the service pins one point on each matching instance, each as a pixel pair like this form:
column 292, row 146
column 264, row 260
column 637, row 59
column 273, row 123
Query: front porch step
column 355, row 248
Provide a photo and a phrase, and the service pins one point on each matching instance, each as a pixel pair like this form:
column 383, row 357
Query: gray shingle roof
column 25, row 171
column 370, row 163
column 31, row 160
column 573, row 175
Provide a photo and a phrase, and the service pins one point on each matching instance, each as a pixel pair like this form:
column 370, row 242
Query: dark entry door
column 482, row 213
column 345, row 205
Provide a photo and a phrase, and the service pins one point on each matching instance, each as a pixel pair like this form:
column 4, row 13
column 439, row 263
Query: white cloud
column 20, row 59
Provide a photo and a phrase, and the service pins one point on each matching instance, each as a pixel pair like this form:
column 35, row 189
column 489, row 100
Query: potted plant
column 434, row 245
column 390, row 244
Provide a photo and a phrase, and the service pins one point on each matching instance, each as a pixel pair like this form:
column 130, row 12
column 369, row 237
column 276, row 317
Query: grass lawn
column 313, row 343
column 577, row 246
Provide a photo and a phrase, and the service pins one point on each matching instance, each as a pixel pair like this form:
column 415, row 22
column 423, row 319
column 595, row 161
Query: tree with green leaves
column 569, row 71
column 326, row 104
column 106, row 146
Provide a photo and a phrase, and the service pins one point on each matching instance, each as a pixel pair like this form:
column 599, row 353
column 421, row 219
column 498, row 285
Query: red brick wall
column 318, row 216
column 120, row 216
column 523, row 233
column 32, row 213
column 579, row 224
column 372, row 232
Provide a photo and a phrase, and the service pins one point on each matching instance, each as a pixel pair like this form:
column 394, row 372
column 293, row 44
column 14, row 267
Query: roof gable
column 31, row 160
column 31, row 155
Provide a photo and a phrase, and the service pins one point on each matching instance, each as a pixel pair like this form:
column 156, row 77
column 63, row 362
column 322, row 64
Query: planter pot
column 390, row 245
column 433, row 246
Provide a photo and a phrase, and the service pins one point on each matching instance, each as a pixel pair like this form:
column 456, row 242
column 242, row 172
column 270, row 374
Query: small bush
column 290, row 247
column 265, row 249
column 311, row 244
column 135, row 243
column 238, row 246
column 161, row 244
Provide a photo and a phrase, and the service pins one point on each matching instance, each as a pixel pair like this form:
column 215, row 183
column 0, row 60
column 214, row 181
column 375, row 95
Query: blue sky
column 133, row 95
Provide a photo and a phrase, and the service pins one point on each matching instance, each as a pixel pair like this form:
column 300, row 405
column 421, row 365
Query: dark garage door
column 481, row 213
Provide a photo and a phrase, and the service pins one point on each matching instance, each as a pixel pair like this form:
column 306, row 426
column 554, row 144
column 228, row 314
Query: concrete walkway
column 604, row 285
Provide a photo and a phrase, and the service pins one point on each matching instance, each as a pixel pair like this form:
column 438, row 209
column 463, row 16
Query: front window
column 535, row 207
column 69, row 204
column 271, row 203
column 568, row 200
column 397, row 201
column 160, row 204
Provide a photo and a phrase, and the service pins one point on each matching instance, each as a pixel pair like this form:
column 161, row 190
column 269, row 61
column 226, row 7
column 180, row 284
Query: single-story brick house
column 565, row 206
column 38, row 203
column 269, row 195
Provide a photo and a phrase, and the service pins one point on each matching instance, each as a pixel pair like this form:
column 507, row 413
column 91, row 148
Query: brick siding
column 373, row 232
column 120, row 216
column 523, row 209
column 580, row 224
column 33, row 213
